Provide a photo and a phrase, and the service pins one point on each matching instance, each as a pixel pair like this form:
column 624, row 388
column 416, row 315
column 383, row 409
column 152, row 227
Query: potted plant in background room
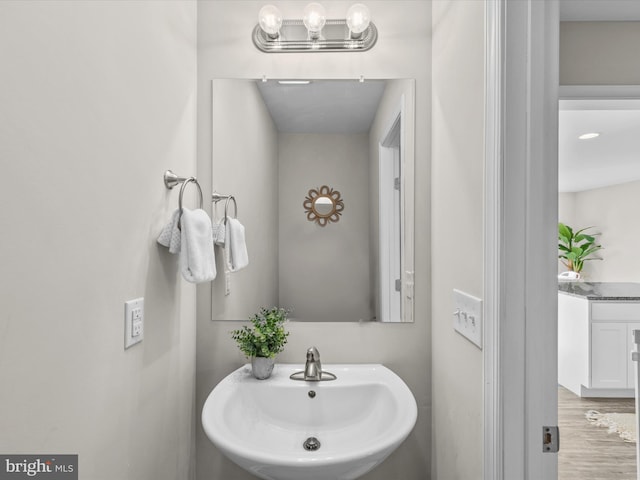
column 574, row 248
column 264, row 340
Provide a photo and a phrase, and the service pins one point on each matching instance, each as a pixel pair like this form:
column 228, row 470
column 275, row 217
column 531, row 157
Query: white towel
column 170, row 235
column 197, row 260
column 235, row 247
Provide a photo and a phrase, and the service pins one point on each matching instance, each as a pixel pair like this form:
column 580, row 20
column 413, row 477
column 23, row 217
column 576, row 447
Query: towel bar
column 217, row 197
column 171, row 180
column 184, row 184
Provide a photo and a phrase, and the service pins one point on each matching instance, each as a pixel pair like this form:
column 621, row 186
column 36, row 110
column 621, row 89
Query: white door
column 520, row 354
column 522, row 39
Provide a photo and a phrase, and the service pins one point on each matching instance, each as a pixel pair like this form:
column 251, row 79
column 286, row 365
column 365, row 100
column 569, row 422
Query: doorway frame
column 521, row 208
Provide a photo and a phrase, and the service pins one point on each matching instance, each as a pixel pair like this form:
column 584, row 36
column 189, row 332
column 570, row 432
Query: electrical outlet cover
column 133, row 312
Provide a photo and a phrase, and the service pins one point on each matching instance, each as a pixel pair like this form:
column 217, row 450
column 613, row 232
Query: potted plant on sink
column 574, row 248
column 264, row 340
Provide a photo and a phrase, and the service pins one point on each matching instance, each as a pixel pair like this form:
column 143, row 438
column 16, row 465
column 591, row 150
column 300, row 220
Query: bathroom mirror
column 323, row 207
column 323, row 174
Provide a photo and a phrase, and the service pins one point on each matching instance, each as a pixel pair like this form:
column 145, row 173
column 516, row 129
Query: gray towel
column 170, row 235
column 219, row 233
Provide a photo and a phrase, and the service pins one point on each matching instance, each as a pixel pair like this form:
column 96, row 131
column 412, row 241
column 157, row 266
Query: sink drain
column 311, row 444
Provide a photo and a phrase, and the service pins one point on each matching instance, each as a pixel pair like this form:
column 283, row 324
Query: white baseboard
column 606, row 392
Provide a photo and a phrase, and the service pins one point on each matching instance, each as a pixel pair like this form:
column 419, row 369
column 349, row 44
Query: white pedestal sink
column 262, row 425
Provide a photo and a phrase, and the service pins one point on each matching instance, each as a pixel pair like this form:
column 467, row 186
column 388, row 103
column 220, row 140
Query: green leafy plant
column 574, row 248
column 267, row 337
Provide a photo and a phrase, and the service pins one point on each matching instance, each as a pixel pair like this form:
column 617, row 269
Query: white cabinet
column 609, row 355
column 594, row 346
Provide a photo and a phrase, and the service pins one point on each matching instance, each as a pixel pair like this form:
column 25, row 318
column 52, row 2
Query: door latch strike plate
column 550, row 439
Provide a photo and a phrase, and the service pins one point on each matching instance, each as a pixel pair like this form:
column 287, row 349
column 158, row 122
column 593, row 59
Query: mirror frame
column 322, row 219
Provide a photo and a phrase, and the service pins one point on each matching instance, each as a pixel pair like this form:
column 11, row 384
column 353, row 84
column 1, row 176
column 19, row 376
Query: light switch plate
column 133, row 322
column 467, row 316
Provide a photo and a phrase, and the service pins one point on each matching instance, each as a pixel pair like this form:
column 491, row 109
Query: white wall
column 566, row 215
column 566, row 207
column 324, row 271
column 403, row 51
column 613, row 211
column 457, row 233
column 98, row 100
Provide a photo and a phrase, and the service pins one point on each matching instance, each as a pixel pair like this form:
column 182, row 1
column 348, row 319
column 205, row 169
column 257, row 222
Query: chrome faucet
column 313, row 367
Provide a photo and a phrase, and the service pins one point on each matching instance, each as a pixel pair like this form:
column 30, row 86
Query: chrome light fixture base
column 335, row 37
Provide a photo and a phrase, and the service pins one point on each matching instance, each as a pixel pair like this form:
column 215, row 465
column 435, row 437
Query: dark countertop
column 601, row 290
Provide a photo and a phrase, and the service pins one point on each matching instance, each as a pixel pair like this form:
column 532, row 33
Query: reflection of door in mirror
column 390, row 225
column 271, row 143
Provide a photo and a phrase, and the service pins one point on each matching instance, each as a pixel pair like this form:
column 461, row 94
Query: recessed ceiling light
column 294, row 82
column 587, row 136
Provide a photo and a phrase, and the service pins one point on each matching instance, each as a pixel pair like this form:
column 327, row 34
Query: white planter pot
column 262, row 367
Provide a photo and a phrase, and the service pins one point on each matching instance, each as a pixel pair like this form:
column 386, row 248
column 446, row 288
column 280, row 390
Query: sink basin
column 262, row 425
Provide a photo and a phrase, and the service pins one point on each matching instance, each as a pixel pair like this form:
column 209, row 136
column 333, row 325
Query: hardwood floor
column 588, row 452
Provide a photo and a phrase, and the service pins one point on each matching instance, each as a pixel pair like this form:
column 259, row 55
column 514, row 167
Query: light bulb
column 270, row 20
column 358, row 19
column 314, row 18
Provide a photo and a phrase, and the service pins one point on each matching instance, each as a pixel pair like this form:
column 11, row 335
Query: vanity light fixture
column 314, row 32
column 588, row 136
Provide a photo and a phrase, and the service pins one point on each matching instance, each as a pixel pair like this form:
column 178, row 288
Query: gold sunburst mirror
column 323, row 205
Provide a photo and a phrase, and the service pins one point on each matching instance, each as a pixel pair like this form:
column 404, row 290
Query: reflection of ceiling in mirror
column 611, row 158
column 323, row 106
